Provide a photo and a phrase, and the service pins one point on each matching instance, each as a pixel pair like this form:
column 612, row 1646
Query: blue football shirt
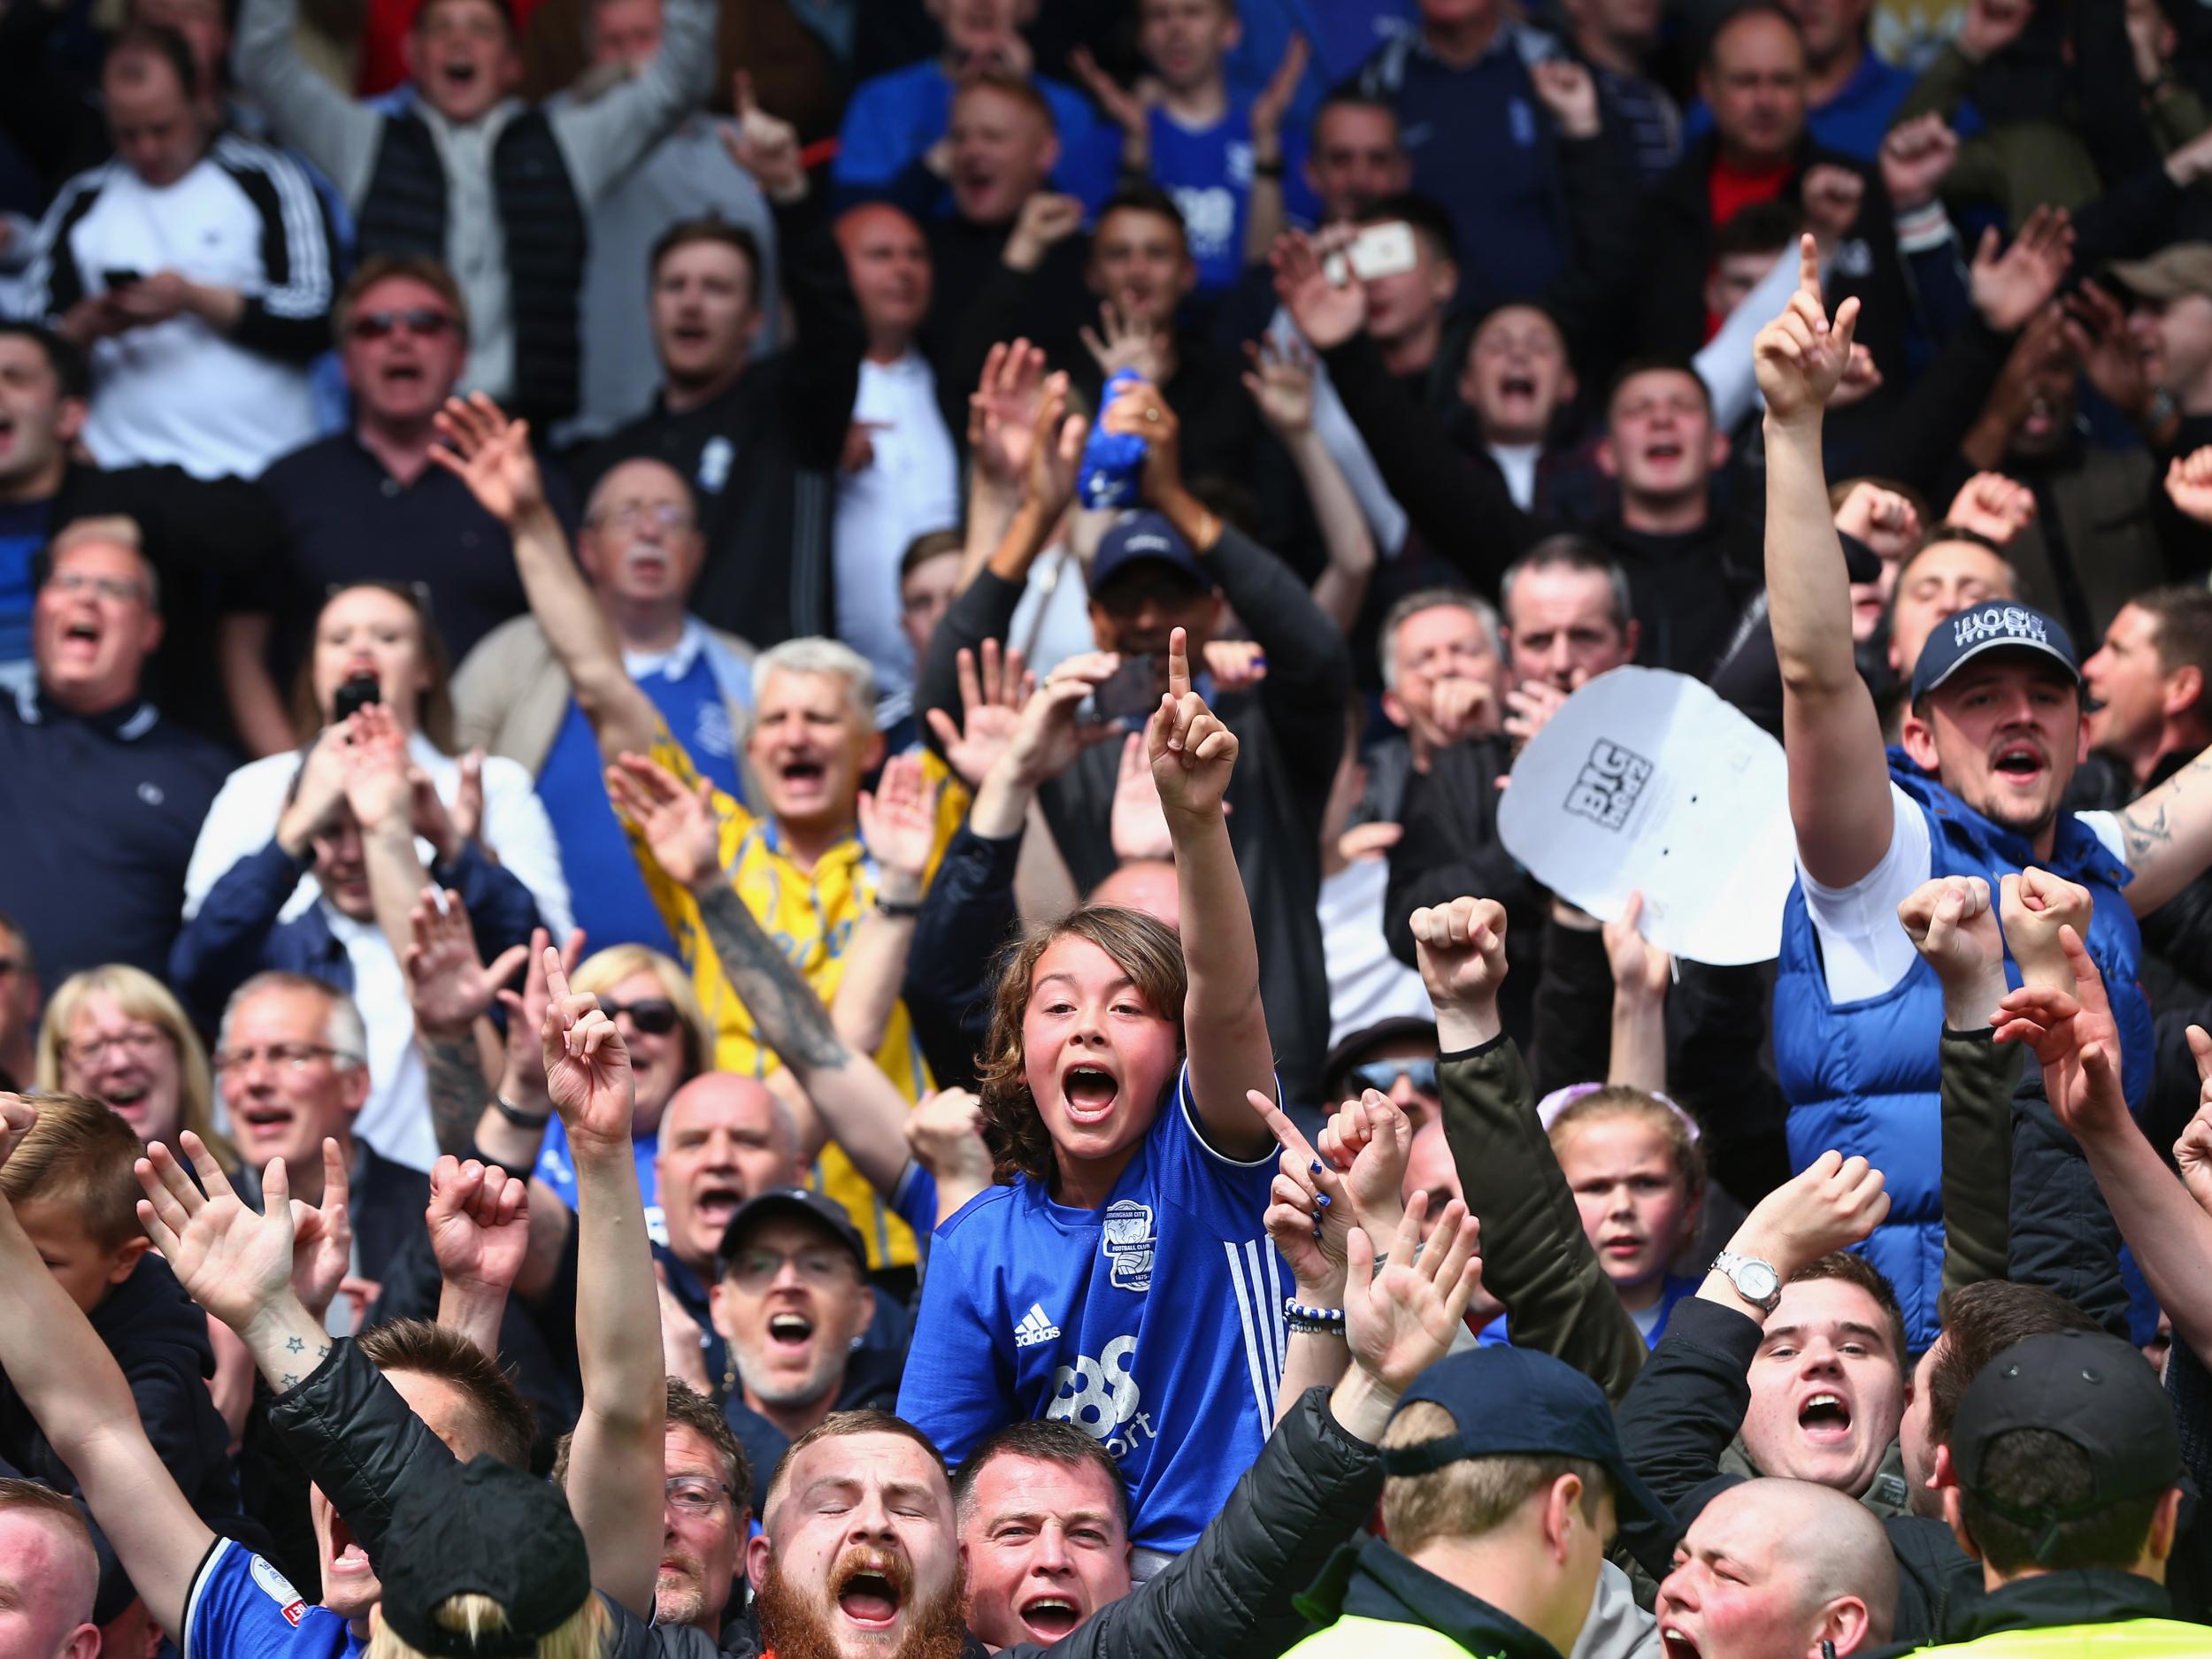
column 611, row 904
column 1155, row 1324
column 240, row 1607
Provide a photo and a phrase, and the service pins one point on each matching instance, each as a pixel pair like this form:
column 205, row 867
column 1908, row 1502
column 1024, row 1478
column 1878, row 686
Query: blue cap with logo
column 1147, row 536
column 1994, row 624
column 1517, row 1403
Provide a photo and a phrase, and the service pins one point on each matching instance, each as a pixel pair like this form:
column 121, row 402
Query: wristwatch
column 1755, row 1281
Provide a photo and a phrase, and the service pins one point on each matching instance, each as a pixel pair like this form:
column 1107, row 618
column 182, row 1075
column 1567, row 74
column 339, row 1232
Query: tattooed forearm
column 790, row 1017
column 458, row 1093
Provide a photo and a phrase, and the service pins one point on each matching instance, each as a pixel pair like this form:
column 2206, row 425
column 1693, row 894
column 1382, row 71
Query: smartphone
column 358, row 691
column 1128, row 694
column 119, row 277
column 1382, row 250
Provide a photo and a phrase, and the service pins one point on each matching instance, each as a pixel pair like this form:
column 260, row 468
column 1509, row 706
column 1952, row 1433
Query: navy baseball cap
column 827, row 1213
column 1994, row 624
column 1142, row 537
column 2084, row 1386
column 1517, row 1403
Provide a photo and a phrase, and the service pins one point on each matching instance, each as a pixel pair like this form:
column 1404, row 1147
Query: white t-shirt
column 1863, row 950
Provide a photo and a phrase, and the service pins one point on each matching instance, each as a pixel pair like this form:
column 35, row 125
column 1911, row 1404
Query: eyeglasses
column 76, row 583
column 1382, row 1075
column 655, row 1016
column 419, row 321
column 141, row 1041
column 695, row 1495
column 755, row 1270
column 282, row 1056
column 632, row 516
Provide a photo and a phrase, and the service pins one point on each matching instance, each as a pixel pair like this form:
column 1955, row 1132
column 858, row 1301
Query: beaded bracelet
column 1320, row 1321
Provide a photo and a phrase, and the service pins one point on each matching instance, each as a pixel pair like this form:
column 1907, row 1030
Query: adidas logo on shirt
column 1036, row 1326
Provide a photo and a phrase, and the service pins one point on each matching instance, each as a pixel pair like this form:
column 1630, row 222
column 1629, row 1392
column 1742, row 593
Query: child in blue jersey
column 1122, row 1279
column 1222, row 156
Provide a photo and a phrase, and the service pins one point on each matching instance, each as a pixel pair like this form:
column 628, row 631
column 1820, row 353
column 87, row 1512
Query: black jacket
column 1225, row 1597
column 2092, row 1595
column 1450, row 847
column 1371, row 1580
column 1676, row 1423
column 762, row 457
column 1659, row 297
column 159, row 1337
column 968, row 914
column 1290, row 730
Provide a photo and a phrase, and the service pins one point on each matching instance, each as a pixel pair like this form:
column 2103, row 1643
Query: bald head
column 1745, row 1585
column 1143, row 884
column 724, row 1137
column 48, row 1576
column 887, row 258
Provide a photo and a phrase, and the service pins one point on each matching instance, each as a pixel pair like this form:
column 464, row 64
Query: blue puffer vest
column 1863, row 1076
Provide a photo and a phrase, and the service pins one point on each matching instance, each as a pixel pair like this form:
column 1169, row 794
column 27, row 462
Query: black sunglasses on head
column 655, row 1016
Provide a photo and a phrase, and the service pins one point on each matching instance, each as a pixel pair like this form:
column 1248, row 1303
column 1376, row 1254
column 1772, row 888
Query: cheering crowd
column 756, row 890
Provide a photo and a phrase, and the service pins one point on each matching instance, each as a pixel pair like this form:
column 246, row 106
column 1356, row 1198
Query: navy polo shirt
column 346, row 519
column 100, row 820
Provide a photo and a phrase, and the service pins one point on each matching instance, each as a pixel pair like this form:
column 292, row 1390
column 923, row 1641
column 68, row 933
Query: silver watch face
column 1756, row 1280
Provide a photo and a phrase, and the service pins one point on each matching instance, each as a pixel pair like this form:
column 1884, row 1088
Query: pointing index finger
column 1808, row 266
column 1178, row 664
column 556, row 985
column 1278, row 1124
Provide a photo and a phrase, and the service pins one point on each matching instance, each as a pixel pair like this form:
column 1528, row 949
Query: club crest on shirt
column 279, row 1589
column 1127, row 1237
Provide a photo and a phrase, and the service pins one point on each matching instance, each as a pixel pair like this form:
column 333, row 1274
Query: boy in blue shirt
column 1220, row 155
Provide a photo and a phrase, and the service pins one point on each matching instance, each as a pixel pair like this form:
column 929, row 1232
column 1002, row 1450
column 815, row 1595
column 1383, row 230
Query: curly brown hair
column 1148, row 951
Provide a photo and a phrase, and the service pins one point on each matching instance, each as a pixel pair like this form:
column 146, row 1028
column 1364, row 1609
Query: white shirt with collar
column 395, row 1117
column 911, row 487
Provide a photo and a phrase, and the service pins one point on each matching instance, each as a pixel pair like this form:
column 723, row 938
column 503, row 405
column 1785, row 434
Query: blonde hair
column 582, row 1635
column 1621, row 1100
column 80, row 1156
column 141, row 997
column 602, row 970
column 1470, row 1496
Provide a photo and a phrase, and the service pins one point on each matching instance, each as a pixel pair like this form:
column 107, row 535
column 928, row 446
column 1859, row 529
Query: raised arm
column 1838, row 771
column 2073, row 1034
column 1226, row 1028
column 492, row 455
column 1642, row 973
column 66, row 1375
column 1280, row 381
column 616, row 1463
column 603, row 138
column 479, row 1219
column 382, row 795
column 1543, row 1267
column 2169, row 835
column 861, row 1105
column 310, row 114
column 1954, row 925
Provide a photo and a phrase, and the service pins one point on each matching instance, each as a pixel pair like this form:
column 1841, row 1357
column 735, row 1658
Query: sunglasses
column 655, row 1016
column 1382, row 1075
column 419, row 321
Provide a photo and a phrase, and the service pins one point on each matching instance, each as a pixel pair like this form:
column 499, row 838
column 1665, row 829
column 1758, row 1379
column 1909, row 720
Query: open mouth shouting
column 1050, row 1615
column 262, row 1123
column 717, row 1201
column 348, row 1560
column 870, row 1589
column 1824, row 1418
column 789, row 1332
column 1678, row 1643
column 2020, row 763
column 1089, row 1091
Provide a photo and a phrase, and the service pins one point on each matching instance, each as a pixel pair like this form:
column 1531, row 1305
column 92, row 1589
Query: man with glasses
column 367, row 504
column 108, row 795
column 291, row 1061
column 640, row 548
column 792, row 1302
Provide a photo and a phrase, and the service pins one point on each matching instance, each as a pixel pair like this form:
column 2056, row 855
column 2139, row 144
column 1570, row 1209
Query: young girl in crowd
column 1631, row 1160
column 1122, row 1279
column 381, row 632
